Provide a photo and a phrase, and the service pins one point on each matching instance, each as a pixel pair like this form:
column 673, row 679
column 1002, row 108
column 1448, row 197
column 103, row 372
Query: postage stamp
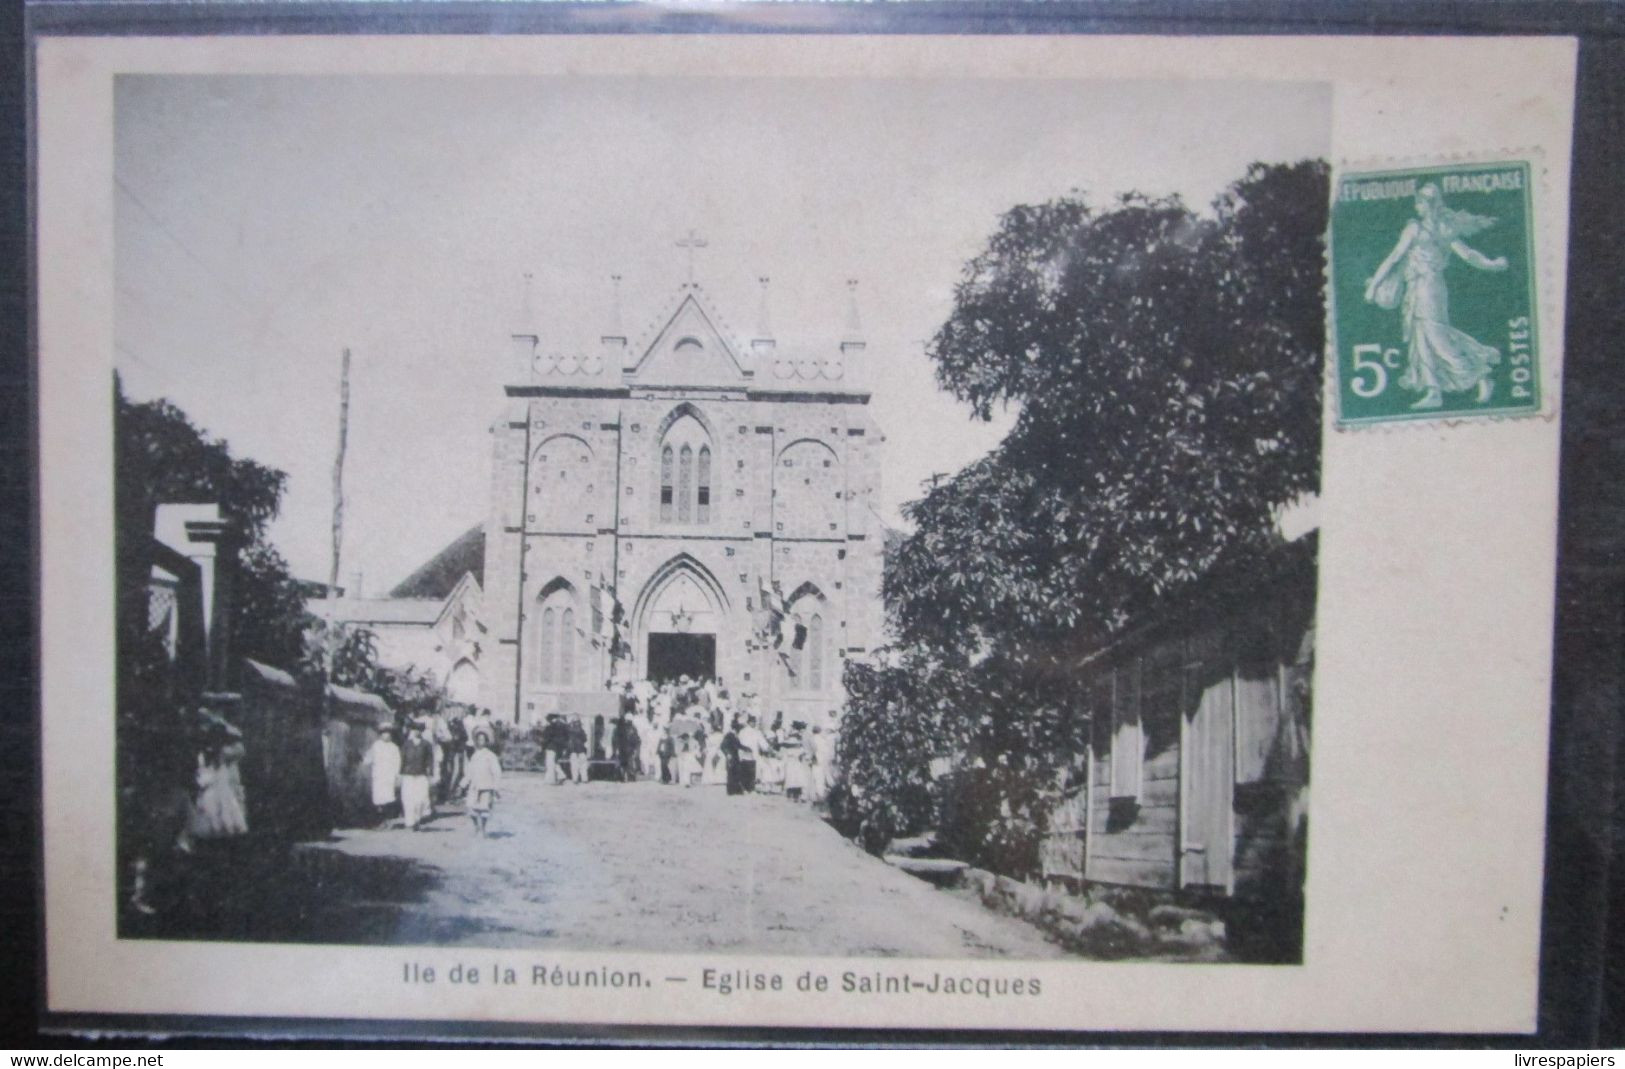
column 1433, row 309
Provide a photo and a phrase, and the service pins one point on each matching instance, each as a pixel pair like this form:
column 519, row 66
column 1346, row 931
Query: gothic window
column 702, row 497
column 815, row 652
column 665, row 485
column 558, row 642
column 687, row 469
column 567, row 647
column 685, row 483
column 548, row 644
column 804, row 650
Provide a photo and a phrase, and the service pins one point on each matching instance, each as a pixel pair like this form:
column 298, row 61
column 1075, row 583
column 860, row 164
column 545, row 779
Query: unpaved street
column 641, row 867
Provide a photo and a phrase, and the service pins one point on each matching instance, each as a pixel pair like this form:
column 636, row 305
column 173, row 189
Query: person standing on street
column 417, row 764
column 578, row 750
column 626, row 748
column 384, row 762
column 484, row 778
column 555, row 746
column 752, row 746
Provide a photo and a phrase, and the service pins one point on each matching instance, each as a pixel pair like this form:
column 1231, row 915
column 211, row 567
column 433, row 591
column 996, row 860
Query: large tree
column 1166, row 368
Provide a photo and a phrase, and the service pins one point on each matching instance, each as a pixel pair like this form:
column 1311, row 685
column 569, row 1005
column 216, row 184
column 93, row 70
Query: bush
column 520, row 747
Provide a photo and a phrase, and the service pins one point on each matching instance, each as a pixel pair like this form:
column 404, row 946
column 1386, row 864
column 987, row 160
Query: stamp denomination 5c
column 1433, row 294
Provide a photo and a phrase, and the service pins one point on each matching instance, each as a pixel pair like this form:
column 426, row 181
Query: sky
column 265, row 223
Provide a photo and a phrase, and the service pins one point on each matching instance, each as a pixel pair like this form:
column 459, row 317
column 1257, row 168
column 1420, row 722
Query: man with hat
column 417, row 764
column 555, row 747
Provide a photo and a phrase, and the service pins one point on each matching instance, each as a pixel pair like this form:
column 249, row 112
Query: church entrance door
column 672, row 654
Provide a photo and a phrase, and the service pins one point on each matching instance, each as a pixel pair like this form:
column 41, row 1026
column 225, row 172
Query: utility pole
column 330, row 639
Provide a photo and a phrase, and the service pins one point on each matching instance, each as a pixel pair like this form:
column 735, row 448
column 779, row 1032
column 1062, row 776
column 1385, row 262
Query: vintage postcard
column 799, row 531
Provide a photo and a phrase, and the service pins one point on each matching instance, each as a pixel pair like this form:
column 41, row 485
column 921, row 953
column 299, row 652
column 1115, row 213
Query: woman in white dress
column 797, row 768
column 648, row 744
column 688, row 762
column 715, row 770
column 219, row 810
column 384, row 760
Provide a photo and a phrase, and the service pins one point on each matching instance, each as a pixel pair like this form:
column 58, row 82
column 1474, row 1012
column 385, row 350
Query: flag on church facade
column 606, row 611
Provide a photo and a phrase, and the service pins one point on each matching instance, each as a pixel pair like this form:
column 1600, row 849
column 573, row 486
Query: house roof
column 384, row 610
column 439, row 576
column 347, row 700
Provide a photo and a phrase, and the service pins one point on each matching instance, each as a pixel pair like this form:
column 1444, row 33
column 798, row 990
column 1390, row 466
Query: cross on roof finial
column 691, row 242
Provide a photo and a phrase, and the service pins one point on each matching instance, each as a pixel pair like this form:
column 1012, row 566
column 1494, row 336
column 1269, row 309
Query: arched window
column 702, row 496
column 685, row 485
column 665, row 485
column 567, row 648
column 815, row 652
column 557, row 642
column 549, row 643
column 804, row 652
column 687, row 468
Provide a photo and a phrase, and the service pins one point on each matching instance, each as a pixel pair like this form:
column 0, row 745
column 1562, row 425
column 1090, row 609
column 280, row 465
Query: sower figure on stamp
column 1440, row 357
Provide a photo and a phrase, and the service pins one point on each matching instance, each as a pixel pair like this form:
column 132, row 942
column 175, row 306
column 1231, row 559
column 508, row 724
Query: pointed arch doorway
column 679, row 617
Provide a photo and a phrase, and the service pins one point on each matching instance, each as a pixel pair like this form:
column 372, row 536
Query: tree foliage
column 347, row 655
column 1166, row 366
column 161, row 457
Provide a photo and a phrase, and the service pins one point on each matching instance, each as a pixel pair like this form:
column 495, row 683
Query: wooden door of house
column 1062, row 850
column 1207, row 782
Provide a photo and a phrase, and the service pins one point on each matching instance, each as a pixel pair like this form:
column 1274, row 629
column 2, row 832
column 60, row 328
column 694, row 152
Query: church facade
column 685, row 505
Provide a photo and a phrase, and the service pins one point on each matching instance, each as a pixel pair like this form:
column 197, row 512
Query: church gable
column 690, row 351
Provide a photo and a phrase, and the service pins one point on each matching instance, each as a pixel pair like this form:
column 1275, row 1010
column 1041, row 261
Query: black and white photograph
column 676, row 515
column 788, row 533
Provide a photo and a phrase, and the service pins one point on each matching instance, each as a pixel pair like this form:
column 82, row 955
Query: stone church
column 682, row 505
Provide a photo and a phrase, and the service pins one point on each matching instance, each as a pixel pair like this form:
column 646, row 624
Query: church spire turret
column 852, row 340
column 524, row 337
column 763, row 342
column 614, row 339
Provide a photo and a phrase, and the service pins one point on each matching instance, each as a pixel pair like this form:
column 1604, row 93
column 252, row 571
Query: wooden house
column 1197, row 762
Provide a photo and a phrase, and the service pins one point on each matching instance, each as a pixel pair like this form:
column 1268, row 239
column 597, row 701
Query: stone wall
column 587, row 466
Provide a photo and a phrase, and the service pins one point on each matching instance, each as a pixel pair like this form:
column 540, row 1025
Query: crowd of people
column 688, row 733
column 683, row 733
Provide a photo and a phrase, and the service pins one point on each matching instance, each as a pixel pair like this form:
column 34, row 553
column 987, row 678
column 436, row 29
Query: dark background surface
column 1582, row 993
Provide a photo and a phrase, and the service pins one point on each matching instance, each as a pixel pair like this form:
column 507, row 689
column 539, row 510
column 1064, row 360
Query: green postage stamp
column 1433, row 294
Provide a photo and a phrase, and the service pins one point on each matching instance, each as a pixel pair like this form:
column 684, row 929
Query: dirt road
column 641, row 867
